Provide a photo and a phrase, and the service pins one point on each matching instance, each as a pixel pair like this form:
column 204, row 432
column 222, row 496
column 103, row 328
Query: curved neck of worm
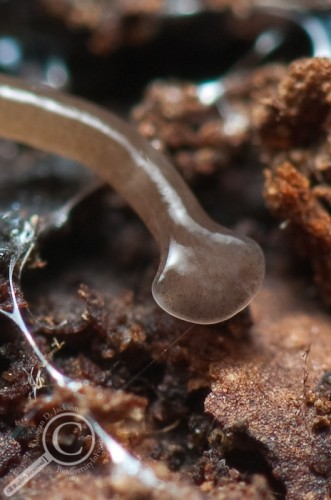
column 206, row 274
column 71, row 127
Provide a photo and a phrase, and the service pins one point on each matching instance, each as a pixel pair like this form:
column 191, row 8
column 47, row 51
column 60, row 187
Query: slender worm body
column 207, row 273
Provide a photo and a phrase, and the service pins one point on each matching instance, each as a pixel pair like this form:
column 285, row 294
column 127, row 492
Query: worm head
column 209, row 279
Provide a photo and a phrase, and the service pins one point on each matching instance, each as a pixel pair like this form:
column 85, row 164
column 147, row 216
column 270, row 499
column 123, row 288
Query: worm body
column 207, row 273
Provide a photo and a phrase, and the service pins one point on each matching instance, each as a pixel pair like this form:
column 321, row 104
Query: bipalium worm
column 206, row 273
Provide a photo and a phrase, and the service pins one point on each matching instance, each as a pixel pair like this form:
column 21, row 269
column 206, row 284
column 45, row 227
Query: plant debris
column 203, row 138
column 231, row 411
column 294, row 130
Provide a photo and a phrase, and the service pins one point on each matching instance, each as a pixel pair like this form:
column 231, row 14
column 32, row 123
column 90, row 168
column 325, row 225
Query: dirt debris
column 266, row 432
column 203, row 138
column 295, row 137
column 268, row 392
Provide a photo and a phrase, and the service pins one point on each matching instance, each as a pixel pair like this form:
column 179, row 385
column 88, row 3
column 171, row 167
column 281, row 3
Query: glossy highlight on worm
column 207, row 273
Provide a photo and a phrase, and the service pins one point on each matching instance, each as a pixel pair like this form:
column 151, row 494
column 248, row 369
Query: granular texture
column 294, row 128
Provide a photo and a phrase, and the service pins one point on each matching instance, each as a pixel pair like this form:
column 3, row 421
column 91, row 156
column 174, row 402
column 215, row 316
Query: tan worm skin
column 207, row 273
